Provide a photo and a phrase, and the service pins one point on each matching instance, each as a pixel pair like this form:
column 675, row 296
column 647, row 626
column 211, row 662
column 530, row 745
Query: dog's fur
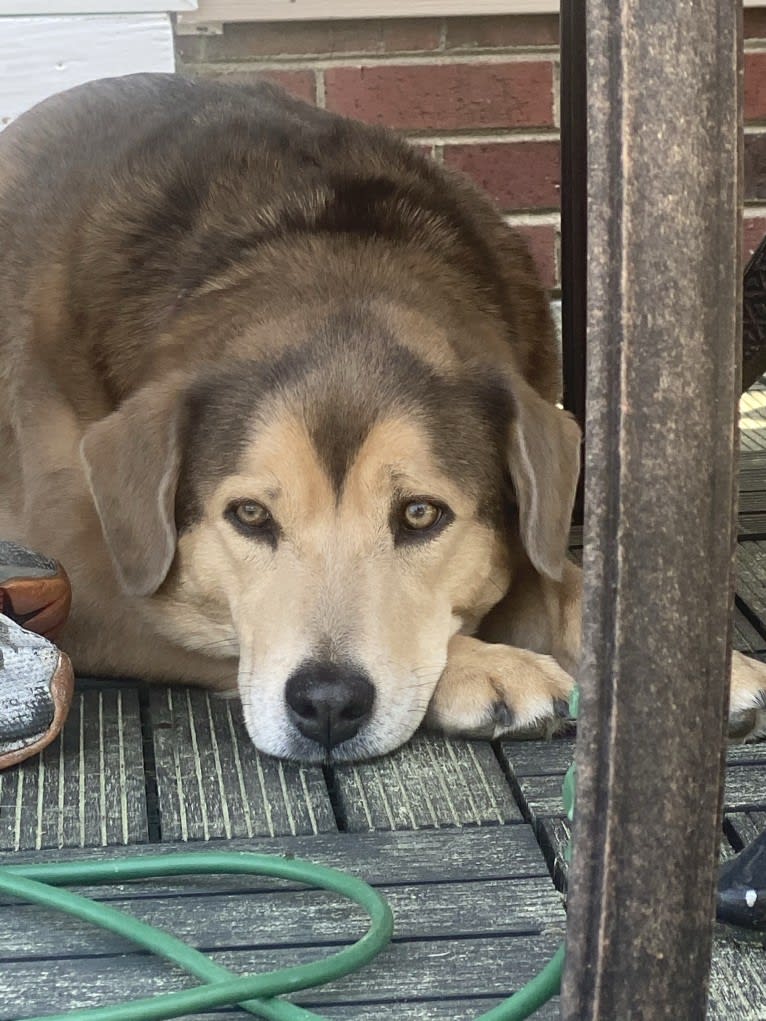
column 211, row 294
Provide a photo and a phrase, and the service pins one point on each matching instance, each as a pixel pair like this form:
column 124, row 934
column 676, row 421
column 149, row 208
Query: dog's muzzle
column 329, row 702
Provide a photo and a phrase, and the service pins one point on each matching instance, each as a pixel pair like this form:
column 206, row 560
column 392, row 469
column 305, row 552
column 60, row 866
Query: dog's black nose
column 329, row 702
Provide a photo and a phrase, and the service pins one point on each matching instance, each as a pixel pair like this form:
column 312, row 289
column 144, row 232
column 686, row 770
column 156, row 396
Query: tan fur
column 342, row 580
column 481, row 679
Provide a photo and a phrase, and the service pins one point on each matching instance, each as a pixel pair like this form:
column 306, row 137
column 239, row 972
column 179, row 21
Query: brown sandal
column 34, row 590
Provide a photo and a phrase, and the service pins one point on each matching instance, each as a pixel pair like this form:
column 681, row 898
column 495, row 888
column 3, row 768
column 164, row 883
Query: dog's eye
column 250, row 514
column 420, row 515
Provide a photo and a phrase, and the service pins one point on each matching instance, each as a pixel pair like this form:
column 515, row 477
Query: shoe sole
column 61, row 689
column 34, row 590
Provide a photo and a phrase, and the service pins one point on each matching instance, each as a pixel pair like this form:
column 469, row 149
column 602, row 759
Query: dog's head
column 332, row 519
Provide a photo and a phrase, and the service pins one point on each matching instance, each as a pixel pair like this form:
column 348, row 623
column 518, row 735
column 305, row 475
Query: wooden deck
column 463, row 838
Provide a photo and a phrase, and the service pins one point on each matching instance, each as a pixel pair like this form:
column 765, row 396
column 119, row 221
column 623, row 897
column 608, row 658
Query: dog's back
column 119, row 201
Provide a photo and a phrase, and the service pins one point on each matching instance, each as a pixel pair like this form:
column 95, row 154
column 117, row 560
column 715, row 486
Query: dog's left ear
column 544, row 461
column 132, row 460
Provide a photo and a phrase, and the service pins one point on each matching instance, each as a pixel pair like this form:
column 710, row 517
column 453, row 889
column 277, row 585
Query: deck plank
column 537, row 771
column 750, row 502
column 745, row 826
column 538, row 767
column 87, row 788
column 752, row 525
column 430, row 783
column 510, row 907
column 407, row 1009
column 421, row 856
column 212, row 783
column 737, row 991
column 542, row 758
column 753, row 424
column 745, row 637
column 744, row 790
column 751, row 576
column 426, row 968
column 442, row 1010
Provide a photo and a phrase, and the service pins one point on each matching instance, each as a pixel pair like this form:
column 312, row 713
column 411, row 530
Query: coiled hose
column 255, row 994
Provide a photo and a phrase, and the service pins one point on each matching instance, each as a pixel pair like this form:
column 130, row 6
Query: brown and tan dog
column 280, row 394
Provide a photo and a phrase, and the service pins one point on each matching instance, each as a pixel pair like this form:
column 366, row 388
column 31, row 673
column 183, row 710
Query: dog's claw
column 561, row 708
column 503, row 716
column 749, row 724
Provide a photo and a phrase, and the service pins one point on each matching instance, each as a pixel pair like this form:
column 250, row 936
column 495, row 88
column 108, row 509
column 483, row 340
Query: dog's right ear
column 544, row 462
column 132, row 459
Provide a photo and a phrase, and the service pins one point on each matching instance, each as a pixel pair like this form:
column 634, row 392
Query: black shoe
column 741, row 898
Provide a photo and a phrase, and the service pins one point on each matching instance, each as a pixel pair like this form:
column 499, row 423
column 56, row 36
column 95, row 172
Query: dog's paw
column 747, row 706
column 488, row 691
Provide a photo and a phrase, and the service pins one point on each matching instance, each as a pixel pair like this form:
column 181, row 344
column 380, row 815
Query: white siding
column 43, row 55
column 93, row 6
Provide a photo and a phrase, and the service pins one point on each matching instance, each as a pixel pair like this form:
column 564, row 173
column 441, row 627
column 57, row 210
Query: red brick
column 755, row 23
column 502, row 32
column 542, row 244
column 755, row 86
column 518, row 175
column 259, row 40
column 754, row 231
column 301, row 84
column 445, row 97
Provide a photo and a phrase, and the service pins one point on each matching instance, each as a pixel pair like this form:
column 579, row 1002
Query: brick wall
column 480, row 94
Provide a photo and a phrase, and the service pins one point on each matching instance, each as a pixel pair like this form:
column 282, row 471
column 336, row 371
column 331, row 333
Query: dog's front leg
column 747, row 707
column 516, row 675
column 488, row 690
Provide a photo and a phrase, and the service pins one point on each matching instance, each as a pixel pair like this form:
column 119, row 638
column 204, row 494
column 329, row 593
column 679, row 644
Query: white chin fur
column 272, row 732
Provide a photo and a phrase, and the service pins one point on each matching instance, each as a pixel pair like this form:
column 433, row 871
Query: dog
column 281, row 394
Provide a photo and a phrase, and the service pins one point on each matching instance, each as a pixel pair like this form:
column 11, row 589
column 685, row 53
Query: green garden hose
column 256, row 994
column 35, row 883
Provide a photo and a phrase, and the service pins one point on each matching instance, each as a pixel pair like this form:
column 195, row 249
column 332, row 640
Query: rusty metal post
column 663, row 337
